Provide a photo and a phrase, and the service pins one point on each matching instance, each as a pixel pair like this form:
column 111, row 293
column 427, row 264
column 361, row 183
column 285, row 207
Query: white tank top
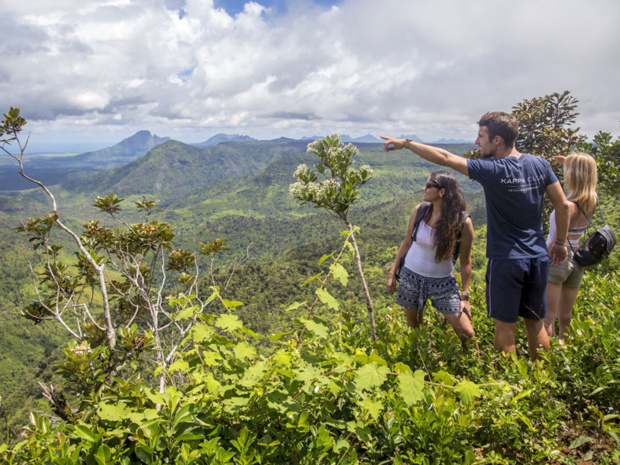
column 421, row 256
column 573, row 233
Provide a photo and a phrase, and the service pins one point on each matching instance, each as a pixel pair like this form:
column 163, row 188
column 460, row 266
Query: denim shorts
column 414, row 290
column 516, row 288
column 569, row 273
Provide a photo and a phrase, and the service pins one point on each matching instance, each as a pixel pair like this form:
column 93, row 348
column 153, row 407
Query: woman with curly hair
column 429, row 253
column 580, row 176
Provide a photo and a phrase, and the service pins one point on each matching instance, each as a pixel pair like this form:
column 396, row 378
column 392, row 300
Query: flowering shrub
column 336, row 193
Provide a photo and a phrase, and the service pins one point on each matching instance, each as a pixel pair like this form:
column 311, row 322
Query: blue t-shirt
column 514, row 189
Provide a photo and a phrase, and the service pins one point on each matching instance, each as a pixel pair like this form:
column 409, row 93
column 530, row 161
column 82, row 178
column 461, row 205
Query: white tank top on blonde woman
column 573, row 233
column 421, row 256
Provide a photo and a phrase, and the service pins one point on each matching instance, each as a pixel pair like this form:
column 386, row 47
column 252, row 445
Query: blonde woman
column 580, row 175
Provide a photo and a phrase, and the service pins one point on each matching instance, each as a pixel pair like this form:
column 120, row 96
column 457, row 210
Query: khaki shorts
column 569, row 273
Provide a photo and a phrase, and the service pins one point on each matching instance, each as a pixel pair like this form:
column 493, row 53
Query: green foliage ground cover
column 325, row 394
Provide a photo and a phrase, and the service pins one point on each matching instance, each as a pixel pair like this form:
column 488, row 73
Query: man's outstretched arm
column 429, row 153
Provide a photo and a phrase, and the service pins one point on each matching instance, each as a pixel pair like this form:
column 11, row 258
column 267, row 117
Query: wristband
column 560, row 244
column 465, row 296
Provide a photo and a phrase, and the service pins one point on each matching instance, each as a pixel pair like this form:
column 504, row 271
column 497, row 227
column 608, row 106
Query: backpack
column 597, row 246
column 423, row 210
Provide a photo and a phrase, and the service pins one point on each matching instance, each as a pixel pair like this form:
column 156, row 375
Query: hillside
column 174, row 169
column 264, row 194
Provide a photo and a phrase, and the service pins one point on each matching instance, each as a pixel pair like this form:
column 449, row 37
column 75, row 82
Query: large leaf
column 244, row 350
column 116, row 412
column 411, row 386
column 373, row 407
column 228, row 322
column 340, row 273
column 370, row 376
column 234, row 404
column 467, row 391
column 341, row 446
column 210, row 358
column 317, row 329
column 142, row 416
column 201, row 332
column 327, row 299
column 179, row 365
column 307, row 372
column 153, row 396
column 282, row 358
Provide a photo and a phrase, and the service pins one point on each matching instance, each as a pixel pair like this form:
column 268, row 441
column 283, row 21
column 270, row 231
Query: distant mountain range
column 367, row 139
column 77, row 170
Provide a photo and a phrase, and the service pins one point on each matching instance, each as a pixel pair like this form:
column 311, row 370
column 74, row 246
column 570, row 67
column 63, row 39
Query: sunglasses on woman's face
column 431, row 185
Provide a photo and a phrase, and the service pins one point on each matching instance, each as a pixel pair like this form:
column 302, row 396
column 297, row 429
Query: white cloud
column 390, row 67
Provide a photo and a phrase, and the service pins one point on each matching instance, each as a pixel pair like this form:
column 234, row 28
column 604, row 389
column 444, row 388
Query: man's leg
column 534, row 306
column 537, row 337
column 504, row 279
column 505, row 336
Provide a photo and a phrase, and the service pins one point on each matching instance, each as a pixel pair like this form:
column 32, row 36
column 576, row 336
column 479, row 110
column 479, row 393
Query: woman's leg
column 462, row 326
column 414, row 317
column 568, row 297
column 554, row 291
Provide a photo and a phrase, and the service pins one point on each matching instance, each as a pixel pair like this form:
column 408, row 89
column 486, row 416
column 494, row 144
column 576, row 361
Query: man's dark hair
column 501, row 124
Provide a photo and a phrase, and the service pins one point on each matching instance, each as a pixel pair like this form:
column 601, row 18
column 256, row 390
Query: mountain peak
column 125, row 151
column 221, row 138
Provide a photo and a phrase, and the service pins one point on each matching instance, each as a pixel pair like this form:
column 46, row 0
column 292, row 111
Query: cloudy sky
column 88, row 73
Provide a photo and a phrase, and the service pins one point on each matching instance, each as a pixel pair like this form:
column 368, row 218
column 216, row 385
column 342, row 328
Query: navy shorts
column 414, row 290
column 516, row 288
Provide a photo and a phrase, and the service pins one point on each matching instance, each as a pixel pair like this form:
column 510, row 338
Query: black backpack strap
column 600, row 210
column 423, row 210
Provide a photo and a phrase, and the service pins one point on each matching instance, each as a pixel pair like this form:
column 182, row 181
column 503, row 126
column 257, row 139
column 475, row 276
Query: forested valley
column 277, row 363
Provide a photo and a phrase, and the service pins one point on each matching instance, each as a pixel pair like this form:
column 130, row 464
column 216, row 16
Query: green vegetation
column 323, row 394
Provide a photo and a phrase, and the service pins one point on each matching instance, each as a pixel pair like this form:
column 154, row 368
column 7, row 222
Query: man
column 514, row 186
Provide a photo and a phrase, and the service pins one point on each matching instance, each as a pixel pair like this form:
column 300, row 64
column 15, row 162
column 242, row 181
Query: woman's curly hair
column 449, row 225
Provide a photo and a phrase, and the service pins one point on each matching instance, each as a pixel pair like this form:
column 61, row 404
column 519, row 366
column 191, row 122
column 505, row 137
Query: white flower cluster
column 366, row 169
column 82, row 349
column 318, row 193
column 302, row 170
column 296, row 189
